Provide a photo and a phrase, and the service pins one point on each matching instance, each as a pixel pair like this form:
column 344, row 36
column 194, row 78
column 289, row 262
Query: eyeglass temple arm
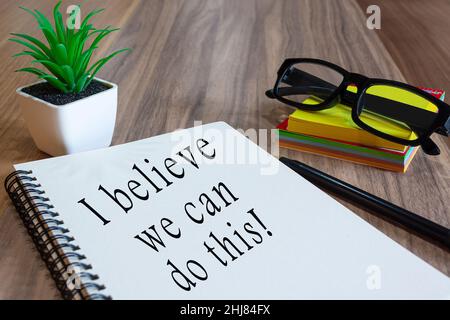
column 303, row 90
column 295, row 77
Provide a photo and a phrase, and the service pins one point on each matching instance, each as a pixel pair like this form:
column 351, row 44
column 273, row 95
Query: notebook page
column 204, row 213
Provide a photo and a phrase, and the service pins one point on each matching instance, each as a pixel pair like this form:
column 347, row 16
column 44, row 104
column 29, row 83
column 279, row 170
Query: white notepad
column 220, row 186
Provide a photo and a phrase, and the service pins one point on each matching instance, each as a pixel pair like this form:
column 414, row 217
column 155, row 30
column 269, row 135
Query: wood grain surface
column 212, row 60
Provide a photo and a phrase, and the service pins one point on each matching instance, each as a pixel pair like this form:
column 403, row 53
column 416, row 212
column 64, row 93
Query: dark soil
column 46, row 92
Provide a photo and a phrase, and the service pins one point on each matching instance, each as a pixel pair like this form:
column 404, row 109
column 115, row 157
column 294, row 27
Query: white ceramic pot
column 82, row 125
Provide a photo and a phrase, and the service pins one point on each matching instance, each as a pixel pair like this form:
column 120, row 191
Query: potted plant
column 69, row 110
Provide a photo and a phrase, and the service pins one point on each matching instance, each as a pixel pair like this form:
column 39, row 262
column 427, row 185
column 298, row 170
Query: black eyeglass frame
column 440, row 125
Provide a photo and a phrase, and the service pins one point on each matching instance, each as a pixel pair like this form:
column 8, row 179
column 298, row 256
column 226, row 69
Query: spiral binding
column 56, row 246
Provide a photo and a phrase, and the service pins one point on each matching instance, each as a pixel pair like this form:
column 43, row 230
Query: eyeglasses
column 392, row 110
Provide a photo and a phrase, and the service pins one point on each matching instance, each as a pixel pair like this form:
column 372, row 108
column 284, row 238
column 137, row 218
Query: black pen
column 417, row 224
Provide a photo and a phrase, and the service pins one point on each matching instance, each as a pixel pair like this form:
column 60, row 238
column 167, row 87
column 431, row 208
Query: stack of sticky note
column 333, row 133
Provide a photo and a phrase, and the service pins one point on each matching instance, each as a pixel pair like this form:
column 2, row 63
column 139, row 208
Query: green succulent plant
column 68, row 52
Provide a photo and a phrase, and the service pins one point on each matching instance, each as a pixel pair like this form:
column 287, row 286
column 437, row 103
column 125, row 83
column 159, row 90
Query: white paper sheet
column 317, row 247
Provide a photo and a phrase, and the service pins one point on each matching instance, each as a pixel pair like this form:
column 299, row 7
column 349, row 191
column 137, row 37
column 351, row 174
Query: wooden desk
column 209, row 61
